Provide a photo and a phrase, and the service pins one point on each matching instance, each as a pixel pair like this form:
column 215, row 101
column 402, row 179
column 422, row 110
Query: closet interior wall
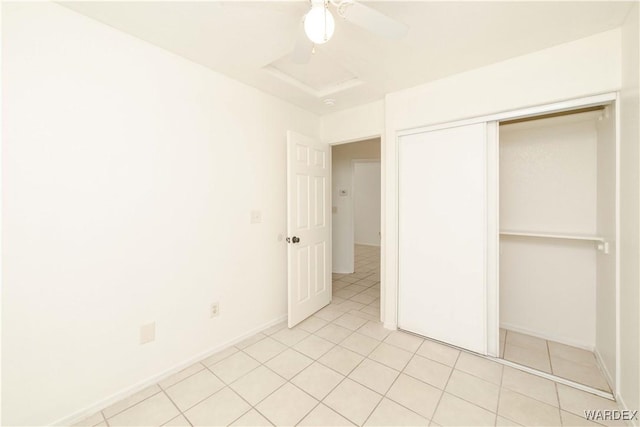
column 558, row 177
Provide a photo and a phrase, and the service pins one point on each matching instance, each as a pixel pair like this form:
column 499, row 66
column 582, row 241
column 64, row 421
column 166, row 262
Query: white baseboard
column 373, row 245
column 604, row 369
column 550, row 337
column 623, row 406
column 116, row 397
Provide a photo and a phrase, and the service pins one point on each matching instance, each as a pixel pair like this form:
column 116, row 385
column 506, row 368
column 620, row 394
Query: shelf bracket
column 603, row 247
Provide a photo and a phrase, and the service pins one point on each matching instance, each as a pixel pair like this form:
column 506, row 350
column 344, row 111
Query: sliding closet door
column 442, row 235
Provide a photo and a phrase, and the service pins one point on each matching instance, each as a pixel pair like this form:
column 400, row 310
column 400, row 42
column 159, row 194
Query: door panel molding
column 308, row 226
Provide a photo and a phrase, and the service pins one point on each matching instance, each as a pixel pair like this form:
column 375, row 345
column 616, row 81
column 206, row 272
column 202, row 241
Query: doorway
column 356, row 189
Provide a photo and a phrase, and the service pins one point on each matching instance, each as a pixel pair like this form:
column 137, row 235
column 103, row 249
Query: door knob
column 295, row 239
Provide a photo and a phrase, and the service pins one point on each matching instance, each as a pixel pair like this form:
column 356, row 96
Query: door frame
column 389, row 253
column 382, row 209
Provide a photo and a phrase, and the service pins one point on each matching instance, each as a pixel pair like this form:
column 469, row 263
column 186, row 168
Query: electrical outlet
column 147, row 333
column 256, row 217
column 214, row 310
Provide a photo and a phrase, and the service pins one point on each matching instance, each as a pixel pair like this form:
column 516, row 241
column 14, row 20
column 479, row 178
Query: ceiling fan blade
column 302, row 50
column 374, row 21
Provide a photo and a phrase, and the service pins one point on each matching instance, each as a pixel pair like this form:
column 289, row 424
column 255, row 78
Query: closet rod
column 552, row 235
column 556, row 114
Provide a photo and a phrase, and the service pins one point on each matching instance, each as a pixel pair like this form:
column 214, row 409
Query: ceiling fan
column 318, row 25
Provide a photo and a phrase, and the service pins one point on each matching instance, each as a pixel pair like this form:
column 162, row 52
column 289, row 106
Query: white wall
column 354, row 124
column 366, row 202
column 129, row 174
column 342, row 217
column 583, row 67
column 580, row 68
column 548, row 175
column 547, row 289
column 630, row 214
column 548, row 183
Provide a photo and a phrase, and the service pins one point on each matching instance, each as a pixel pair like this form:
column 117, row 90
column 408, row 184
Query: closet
column 507, row 229
column 557, row 244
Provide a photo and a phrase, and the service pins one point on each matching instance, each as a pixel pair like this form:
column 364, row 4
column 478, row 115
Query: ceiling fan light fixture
column 319, row 24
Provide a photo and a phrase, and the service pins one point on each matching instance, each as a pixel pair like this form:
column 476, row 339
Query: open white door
column 308, row 226
column 443, row 235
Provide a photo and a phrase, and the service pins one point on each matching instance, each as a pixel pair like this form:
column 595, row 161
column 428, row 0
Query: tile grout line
column 555, row 378
column 500, row 390
column 380, row 342
column 322, row 401
column 347, row 376
column 104, row 418
column 225, row 385
column 453, row 368
column 549, row 358
column 218, row 361
column 489, row 382
column 241, row 350
column 135, row 404
column 304, row 391
column 546, row 344
column 384, row 396
column 176, row 406
column 279, row 387
column 511, row 390
column 253, row 407
column 268, row 395
column 329, row 408
column 161, row 390
column 555, row 388
column 498, row 360
column 185, row 378
column 555, row 384
column 402, row 371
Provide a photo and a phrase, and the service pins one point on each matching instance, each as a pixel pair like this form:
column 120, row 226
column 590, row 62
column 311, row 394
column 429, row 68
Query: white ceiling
column 250, row 41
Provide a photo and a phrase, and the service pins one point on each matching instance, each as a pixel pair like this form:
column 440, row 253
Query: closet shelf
column 552, row 235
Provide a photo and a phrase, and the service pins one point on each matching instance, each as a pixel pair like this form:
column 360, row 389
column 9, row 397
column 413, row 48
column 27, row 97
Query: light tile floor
column 341, row 367
column 565, row 361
